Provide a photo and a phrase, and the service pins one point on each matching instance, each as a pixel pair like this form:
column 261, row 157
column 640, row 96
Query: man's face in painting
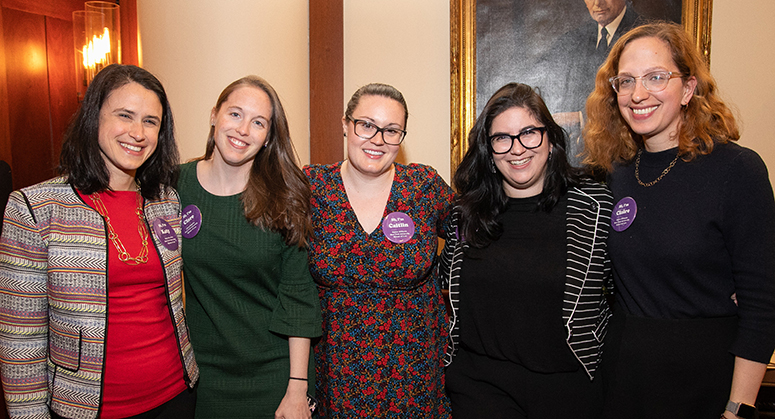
column 604, row 11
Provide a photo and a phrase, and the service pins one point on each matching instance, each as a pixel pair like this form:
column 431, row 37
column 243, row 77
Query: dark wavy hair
column 705, row 120
column 277, row 196
column 81, row 160
column 480, row 194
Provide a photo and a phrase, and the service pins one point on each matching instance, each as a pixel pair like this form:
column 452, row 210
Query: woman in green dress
column 251, row 304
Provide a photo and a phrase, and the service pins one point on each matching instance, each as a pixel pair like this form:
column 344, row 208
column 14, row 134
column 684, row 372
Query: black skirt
column 667, row 368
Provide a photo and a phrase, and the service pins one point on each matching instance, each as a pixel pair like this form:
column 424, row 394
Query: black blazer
column 585, row 310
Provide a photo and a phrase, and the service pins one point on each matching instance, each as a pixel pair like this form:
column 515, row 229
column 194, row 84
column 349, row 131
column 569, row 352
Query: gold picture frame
column 695, row 17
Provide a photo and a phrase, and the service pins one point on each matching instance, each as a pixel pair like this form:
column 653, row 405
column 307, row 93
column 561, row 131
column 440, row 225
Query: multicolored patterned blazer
column 53, row 299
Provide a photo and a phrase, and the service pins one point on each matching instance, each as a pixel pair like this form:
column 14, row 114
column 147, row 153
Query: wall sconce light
column 97, row 35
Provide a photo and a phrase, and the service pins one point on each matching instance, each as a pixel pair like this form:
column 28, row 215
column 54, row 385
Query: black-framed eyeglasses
column 367, row 130
column 653, row 82
column 529, row 138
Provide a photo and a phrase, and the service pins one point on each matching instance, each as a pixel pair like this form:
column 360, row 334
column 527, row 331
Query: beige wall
column 742, row 59
column 198, row 47
column 404, row 43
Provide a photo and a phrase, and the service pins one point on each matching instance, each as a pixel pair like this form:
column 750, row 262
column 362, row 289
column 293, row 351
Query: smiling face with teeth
column 130, row 119
column 241, row 125
column 523, row 170
column 373, row 157
column 654, row 115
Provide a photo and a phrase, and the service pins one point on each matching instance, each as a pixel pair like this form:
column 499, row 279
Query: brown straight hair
column 277, row 196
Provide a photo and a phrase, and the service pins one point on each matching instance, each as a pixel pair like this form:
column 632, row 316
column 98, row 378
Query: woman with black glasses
column 525, row 262
column 376, row 225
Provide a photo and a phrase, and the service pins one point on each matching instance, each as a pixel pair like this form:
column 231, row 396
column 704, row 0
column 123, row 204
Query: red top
column 143, row 369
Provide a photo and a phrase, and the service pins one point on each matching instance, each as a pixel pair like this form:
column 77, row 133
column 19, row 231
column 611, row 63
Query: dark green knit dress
column 246, row 292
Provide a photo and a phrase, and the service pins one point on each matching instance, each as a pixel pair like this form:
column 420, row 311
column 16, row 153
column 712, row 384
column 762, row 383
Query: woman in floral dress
column 376, row 224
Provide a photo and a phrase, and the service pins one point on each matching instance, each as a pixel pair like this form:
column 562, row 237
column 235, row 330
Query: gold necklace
column 123, row 255
column 664, row 172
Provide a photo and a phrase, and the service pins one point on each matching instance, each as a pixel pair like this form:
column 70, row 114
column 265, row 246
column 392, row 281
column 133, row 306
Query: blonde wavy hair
column 706, row 120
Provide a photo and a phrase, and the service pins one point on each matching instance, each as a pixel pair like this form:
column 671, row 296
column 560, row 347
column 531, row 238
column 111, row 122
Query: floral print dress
column 383, row 315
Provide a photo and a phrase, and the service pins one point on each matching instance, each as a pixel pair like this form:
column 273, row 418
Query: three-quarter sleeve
column 298, row 307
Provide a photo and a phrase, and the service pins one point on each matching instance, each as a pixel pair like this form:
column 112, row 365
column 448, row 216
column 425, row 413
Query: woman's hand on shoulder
column 294, row 404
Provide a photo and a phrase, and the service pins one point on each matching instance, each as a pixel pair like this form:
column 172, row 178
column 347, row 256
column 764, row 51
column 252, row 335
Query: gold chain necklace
column 123, row 255
column 664, row 172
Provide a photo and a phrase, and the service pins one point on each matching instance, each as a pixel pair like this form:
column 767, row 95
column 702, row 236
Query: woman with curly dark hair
column 525, row 262
column 693, row 246
column 251, row 303
column 91, row 313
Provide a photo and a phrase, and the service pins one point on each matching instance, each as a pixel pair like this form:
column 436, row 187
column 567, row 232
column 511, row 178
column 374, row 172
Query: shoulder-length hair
column 81, row 159
column 277, row 194
column 480, row 194
column 705, row 120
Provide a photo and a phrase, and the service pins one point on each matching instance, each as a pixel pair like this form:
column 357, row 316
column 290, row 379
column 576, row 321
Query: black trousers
column 482, row 387
column 179, row 407
column 658, row 368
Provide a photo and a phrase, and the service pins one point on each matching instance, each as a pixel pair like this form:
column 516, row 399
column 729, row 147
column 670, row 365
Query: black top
column 703, row 232
column 511, row 292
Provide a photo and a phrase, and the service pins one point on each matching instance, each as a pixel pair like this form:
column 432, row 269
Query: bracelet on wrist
column 298, row 379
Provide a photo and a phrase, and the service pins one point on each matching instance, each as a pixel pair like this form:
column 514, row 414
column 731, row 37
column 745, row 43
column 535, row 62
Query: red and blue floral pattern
column 383, row 315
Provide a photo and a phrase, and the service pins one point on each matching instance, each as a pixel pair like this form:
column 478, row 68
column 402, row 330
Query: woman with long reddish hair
column 693, row 239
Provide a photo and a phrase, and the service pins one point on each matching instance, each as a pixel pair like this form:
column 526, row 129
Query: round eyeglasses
column 367, row 130
column 653, row 82
column 530, row 138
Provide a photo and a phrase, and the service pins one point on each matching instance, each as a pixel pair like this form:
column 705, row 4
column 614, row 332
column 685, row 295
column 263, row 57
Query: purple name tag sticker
column 165, row 233
column 624, row 214
column 191, row 221
column 398, row 227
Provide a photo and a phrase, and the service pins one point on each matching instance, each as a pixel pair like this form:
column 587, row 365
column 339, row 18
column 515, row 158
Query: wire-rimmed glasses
column 653, row 82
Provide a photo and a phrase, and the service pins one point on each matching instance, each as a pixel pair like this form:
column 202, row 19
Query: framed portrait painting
column 552, row 45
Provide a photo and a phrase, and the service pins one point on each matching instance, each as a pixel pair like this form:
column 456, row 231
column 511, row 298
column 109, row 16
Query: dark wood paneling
column 129, row 54
column 37, row 81
column 63, row 10
column 326, row 80
column 61, row 79
column 60, row 9
column 5, row 134
column 28, row 100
